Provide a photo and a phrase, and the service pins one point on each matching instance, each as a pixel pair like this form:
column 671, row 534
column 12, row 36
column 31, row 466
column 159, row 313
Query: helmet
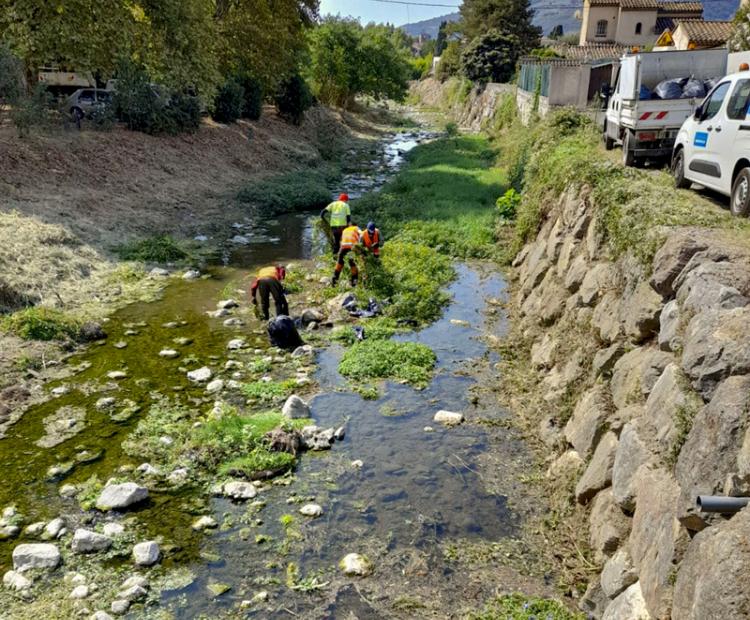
column 344, row 197
column 371, row 227
column 280, row 272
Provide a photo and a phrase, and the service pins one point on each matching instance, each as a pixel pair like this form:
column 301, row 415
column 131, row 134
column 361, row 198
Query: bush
column 229, row 103
column 31, row 110
column 491, row 57
column 450, row 61
column 158, row 249
column 42, row 323
column 293, row 99
column 451, row 130
column 258, row 464
column 183, row 114
column 382, row 359
column 253, row 104
column 288, row 192
column 103, row 118
column 507, row 204
column 11, row 76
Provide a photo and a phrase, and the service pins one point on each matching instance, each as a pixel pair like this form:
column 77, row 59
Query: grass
column 519, row 607
column 381, row 328
column 156, row 249
column 259, row 463
column 387, row 359
column 288, row 192
column 683, row 423
column 41, row 323
column 268, row 391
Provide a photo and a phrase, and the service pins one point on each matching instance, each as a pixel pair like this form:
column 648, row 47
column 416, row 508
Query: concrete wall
column 591, row 17
column 626, row 28
column 525, row 103
column 569, row 85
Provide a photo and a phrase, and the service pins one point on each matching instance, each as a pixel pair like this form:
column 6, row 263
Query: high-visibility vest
column 350, row 237
column 339, row 211
column 370, row 241
column 268, row 272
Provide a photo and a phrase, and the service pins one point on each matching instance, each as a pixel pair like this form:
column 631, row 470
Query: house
column 693, row 34
column 632, row 23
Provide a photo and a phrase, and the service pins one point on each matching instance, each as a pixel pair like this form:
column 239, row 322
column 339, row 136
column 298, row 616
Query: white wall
column 592, row 15
column 626, row 28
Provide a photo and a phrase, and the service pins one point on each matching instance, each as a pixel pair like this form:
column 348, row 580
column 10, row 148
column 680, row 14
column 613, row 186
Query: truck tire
column 609, row 143
column 628, row 156
column 678, row 170
column 740, row 201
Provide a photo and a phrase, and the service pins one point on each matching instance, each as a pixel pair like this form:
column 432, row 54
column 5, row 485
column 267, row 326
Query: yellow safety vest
column 267, row 272
column 339, row 210
column 350, row 237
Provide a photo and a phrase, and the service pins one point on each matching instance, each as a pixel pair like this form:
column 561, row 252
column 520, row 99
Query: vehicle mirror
column 698, row 115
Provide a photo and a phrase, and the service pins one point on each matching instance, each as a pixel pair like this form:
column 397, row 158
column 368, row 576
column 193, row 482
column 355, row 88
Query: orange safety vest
column 268, row 272
column 349, row 238
column 372, row 242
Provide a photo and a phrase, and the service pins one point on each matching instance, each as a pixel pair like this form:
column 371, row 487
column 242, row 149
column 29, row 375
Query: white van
column 713, row 146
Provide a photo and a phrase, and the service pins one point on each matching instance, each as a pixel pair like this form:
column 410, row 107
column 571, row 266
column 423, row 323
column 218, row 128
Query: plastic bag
column 645, row 93
column 710, row 83
column 694, row 89
column 670, row 89
column 283, row 334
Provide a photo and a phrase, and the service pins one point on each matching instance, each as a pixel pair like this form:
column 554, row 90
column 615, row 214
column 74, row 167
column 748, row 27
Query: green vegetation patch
column 267, row 391
column 258, row 464
column 157, row 249
column 42, row 323
column 288, row 192
column 389, row 359
column 519, row 607
column 376, row 329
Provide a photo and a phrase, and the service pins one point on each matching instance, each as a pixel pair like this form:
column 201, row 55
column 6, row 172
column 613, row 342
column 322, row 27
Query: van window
column 738, row 102
column 715, row 100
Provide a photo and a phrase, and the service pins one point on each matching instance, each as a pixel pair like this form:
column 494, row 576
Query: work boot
column 335, row 280
column 354, row 281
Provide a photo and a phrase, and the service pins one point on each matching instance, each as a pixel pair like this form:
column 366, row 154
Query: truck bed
column 656, row 113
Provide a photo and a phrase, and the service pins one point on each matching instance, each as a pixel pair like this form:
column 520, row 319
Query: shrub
column 451, row 129
column 183, row 114
column 519, row 607
column 42, row 323
column 382, row 359
column 158, row 249
column 491, row 57
column 31, row 110
column 267, row 391
column 11, row 76
column 253, row 104
column 507, row 204
column 288, row 192
column 103, row 118
column 229, row 103
column 258, row 464
column 450, row 61
column 293, row 99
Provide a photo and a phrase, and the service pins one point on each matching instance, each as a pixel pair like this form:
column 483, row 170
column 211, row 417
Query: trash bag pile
column 679, row 88
column 373, row 308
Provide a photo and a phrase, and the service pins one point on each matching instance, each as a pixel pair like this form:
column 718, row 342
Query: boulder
column 448, row 418
column 311, row 510
column 146, row 553
column 204, row 523
column 595, row 239
column 587, row 424
column 227, row 304
column 567, row 250
column 311, row 315
column 605, row 359
column 236, row 344
column 657, row 541
column 121, row 496
column 669, row 325
column 671, row 259
column 712, row 582
column 629, row 605
column 91, row 332
column 215, row 386
column 200, row 375
column 80, row 592
column 113, row 530
column 710, row 451
column 593, row 601
column 618, row 573
column 565, row 466
column 240, row 490
column 641, row 313
column 599, row 279
column 169, row 353
column 608, row 526
column 16, row 581
column 576, row 273
column 296, row 409
column 606, row 318
column 86, row 541
column 635, row 374
column 631, row 454
column 356, row 565
column 35, row 555
column 54, row 529
column 717, row 345
column 711, row 284
column 598, row 474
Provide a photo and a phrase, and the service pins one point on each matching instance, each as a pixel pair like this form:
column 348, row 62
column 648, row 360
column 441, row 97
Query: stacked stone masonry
column 660, row 375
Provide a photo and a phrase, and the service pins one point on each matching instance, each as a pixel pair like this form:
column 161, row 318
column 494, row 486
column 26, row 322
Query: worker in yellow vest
column 267, row 283
column 339, row 216
column 350, row 237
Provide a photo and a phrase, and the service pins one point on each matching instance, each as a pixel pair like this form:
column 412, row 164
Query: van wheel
column 740, row 205
column 678, row 170
column 609, row 143
column 628, row 157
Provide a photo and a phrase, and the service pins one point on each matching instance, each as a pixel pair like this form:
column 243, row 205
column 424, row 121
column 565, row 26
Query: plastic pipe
column 721, row 504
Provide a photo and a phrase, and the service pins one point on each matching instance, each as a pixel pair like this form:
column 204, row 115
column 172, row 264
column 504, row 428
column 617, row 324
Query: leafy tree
column 510, row 17
column 385, row 71
column 490, row 57
column 253, row 107
column 293, row 99
column 230, row 102
column 442, row 38
column 11, row 76
column 740, row 39
column 450, row 61
column 557, row 32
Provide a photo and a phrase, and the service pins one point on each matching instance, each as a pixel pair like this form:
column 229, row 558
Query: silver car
column 84, row 101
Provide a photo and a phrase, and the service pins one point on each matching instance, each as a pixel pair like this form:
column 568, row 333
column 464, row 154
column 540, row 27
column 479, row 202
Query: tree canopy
column 491, row 57
column 510, row 17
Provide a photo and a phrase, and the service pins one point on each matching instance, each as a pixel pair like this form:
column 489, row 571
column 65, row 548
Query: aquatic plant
column 519, row 607
column 383, row 359
column 259, row 463
column 266, row 391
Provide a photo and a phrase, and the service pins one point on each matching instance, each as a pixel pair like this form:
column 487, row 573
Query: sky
column 373, row 11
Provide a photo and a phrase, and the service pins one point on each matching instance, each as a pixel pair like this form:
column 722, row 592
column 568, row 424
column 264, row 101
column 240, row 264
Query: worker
column 339, row 217
column 267, row 282
column 371, row 239
column 349, row 238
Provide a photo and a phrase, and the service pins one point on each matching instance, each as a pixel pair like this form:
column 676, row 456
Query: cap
column 371, row 227
column 344, row 198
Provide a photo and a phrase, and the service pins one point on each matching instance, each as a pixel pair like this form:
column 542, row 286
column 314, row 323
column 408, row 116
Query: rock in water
column 239, row 489
column 448, row 418
column 236, row 344
column 227, row 304
column 91, row 332
column 356, row 565
column 146, row 553
column 35, row 555
column 86, row 541
column 119, row 496
column 295, row 408
column 312, row 315
column 311, row 510
column 204, row 523
column 200, row 375
column 283, row 334
column 169, row 353
column 191, row 274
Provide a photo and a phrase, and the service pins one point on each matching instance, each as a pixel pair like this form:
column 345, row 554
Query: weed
column 288, row 192
column 683, row 423
column 367, row 392
column 257, row 464
column 451, row 130
column 40, row 323
column 520, row 607
column 381, row 359
column 28, row 362
column 259, row 366
column 88, row 492
column 267, row 391
column 507, row 204
column 377, row 329
column 157, row 249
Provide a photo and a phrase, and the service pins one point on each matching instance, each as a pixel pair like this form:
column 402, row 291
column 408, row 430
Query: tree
column 450, row 61
column 442, row 38
column 510, row 17
column 740, row 39
column 557, row 32
column 491, row 57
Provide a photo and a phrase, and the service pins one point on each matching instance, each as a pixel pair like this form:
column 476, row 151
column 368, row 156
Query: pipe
column 721, row 504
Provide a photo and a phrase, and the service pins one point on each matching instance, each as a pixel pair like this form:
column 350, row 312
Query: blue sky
column 370, row 11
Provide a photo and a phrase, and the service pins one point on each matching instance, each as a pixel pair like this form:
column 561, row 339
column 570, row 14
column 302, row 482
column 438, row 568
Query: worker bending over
column 268, row 282
column 349, row 239
column 339, row 217
column 371, row 239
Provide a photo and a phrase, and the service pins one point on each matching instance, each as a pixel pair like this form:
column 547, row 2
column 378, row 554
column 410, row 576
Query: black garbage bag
column 645, row 93
column 349, row 303
column 670, row 89
column 694, row 89
column 283, row 334
column 359, row 332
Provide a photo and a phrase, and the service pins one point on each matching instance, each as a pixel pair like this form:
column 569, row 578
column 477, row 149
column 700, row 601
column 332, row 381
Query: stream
column 418, row 487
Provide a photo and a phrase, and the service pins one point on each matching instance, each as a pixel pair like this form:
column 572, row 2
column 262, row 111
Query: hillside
column 429, row 26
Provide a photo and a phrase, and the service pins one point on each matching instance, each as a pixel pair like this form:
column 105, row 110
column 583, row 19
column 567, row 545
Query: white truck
column 647, row 128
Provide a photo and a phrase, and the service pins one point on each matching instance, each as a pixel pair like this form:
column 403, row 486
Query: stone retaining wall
column 655, row 364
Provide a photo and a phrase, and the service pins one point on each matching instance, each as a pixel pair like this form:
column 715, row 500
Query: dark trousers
column 268, row 287
column 345, row 253
column 336, row 232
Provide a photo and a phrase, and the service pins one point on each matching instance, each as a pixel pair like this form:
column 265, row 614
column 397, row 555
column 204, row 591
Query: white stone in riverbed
column 116, row 375
column 311, row 510
column 147, row 469
column 16, row 581
column 234, row 322
column 358, row 464
column 178, row 476
column 295, row 408
column 146, row 553
column 215, row 314
column 120, row 607
column 227, row 304
column 113, row 530
column 204, row 523
column 169, row 353
column 60, row 391
column 217, row 385
column 135, row 580
column 232, row 364
column 200, row 375
column 35, row 528
column 119, row 496
column 86, row 541
column 356, row 565
column 105, row 402
column 133, row 593
column 35, row 555
column 68, row 490
column 239, row 489
column 100, row 615
column 191, row 274
column 53, row 529
column 236, row 344
column 449, row 418
column 80, row 592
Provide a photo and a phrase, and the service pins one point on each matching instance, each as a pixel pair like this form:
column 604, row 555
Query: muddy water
column 416, row 490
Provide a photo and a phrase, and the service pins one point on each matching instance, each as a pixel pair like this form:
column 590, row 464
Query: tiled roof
column 663, row 6
column 639, row 5
column 591, row 52
column 604, row 2
column 664, row 23
column 705, row 33
column 680, row 7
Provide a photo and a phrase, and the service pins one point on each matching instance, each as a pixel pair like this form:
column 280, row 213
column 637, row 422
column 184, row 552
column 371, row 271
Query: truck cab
column 712, row 148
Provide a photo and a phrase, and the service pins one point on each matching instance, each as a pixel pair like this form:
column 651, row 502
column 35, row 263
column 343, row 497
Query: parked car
column 85, row 100
column 713, row 146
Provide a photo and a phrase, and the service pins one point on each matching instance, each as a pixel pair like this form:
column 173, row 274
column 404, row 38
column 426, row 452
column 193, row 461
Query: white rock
column 355, row 564
column 146, row 553
column 80, row 592
column 215, row 314
column 178, row 476
column 217, row 385
column 234, row 322
column 35, row 555
column 236, row 344
column 68, row 490
column 60, row 391
column 35, row 528
column 169, row 353
column 158, row 272
column 232, row 364
column 227, row 304
column 448, row 418
column 302, row 351
column 135, row 580
column 53, row 528
column 100, row 615
column 200, row 238
column 119, row 496
column 311, row 510
column 339, row 433
column 120, row 607
column 16, row 581
column 113, row 530
column 358, row 464
column 460, row 323
column 147, row 469
column 205, row 523
column 133, row 593
column 86, row 541
column 239, row 489
column 295, row 408
column 240, row 240
column 105, row 402
column 191, row 274
column 116, row 375
column 200, row 375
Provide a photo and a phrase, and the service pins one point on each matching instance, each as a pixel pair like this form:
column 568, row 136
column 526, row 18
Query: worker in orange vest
column 371, row 239
column 267, row 282
column 350, row 237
